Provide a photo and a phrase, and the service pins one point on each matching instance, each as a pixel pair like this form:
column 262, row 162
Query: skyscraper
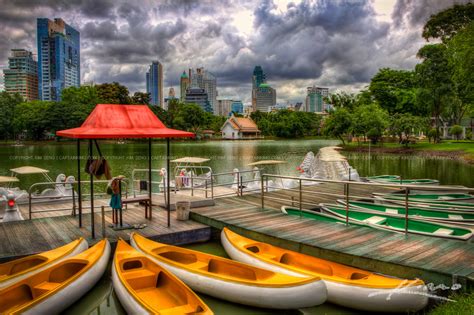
column 184, row 85
column 237, row 107
column 258, row 78
column 223, row 107
column 314, row 99
column 265, row 97
column 154, row 83
column 195, row 95
column 205, row 80
column 21, row 76
column 59, row 63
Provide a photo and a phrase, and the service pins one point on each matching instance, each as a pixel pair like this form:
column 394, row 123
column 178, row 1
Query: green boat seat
column 455, row 216
column 442, row 231
column 375, row 220
column 391, row 211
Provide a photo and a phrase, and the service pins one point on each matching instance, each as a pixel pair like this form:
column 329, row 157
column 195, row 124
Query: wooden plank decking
column 433, row 259
column 31, row 236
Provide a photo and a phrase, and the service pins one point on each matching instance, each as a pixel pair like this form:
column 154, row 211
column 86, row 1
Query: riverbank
column 456, row 150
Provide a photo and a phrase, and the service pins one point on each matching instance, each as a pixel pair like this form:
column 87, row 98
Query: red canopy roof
column 122, row 121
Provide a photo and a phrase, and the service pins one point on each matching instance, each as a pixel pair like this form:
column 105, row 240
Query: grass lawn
column 464, row 305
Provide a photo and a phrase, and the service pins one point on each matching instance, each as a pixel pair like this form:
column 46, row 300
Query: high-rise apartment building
column 154, row 83
column 237, row 107
column 200, row 78
column 223, row 107
column 260, row 78
column 21, row 76
column 265, row 97
column 184, row 85
column 59, row 63
column 315, row 99
column 195, row 95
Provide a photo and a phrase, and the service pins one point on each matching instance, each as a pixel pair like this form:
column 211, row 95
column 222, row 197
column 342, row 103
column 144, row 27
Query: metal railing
column 34, row 199
column 346, row 196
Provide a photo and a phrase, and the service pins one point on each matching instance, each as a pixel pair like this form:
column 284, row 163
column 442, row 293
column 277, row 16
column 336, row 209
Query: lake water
column 226, row 155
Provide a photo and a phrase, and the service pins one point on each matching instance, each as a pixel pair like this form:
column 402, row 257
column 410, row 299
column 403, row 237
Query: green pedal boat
column 413, row 181
column 397, row 224
column 383, row 178
column 438, row 215
column 323, row 217
column 428, row 197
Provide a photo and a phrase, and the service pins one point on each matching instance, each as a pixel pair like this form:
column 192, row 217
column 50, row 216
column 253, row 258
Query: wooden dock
column 32, row 236
column 436, row 260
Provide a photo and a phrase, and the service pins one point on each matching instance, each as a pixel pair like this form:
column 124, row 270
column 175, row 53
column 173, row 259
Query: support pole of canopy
column 79, row 190
column 149, row 179
column 168, row 154
column 92, row 193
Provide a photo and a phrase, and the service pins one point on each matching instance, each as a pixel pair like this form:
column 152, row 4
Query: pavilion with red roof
column 114, row 121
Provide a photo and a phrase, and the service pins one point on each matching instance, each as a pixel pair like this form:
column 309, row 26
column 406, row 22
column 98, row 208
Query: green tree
column 342, row 100
column 113, row 93
column 140, row 98
column 35, row 118
column 338, row 124
column 191, row 117
column 448, row 23
column 369, row 121
column 456, row 131
column 434, row 77
column 394, row 90
column 405, row 124
column 76, row 104
column 460, row 54
column 8, row 102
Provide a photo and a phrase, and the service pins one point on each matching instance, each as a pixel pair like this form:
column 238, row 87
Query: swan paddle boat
column 16, row 270
column 57, row 287
column 234, row 281
column 347, row 286
column 62, row 190
column 143, row 287
column 394, row 223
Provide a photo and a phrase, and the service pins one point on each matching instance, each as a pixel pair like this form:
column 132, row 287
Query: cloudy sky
column 338, row 44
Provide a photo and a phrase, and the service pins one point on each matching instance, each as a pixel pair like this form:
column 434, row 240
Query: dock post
column 91, row 179
column 241, row 186
column 301, row 199
column 407, row 192
column 73, row 201
column 29, row 204
column 79, row 189
column 103, row 222
column 262, row 192
column 212, row 186
column 205, row 181
column 347, row 204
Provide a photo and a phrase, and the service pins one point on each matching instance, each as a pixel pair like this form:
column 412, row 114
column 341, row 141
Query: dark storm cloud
column 327, row 42
column 416, row 13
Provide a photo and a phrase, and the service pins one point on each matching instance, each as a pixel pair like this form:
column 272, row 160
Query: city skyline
column 330, row 46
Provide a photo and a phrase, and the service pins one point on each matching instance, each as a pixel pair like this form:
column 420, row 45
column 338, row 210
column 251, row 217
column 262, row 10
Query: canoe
column 22, row 268
column 438, row 215
column 323, row 217
column 382, row 178
column 428, row 197
column 347, row 286
column 233, row 281
column 143, row 287
column 413, row 181
column 57, row 287
column 397, row 224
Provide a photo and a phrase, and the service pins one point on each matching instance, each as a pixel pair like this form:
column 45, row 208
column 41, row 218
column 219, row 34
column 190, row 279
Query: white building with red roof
column 240, row 128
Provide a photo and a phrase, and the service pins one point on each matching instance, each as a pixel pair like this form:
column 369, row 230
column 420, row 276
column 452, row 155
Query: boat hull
column 130, row 305
column 290, row 297
column 82, row 246
column 402, row 299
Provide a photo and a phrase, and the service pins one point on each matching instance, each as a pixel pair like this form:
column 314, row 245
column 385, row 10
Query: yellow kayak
column 22, row 268
column 143, row 287
column 231, row 280
column 55, row 288
column 347, row 286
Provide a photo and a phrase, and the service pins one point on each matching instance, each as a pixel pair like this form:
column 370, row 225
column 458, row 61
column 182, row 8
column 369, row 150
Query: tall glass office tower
column 59, row 64
column 154, row 83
